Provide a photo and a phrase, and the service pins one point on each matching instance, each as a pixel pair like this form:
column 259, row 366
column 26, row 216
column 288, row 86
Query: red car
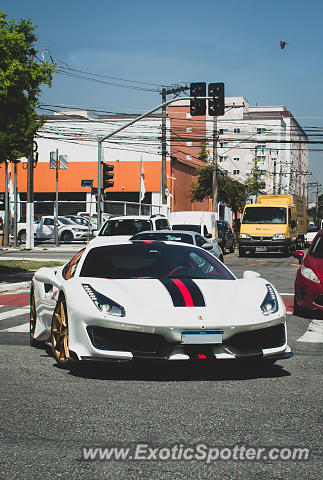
column 309, row 278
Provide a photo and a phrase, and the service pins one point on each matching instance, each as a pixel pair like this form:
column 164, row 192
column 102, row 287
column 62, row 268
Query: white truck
column 45, row 229
column 197, row 221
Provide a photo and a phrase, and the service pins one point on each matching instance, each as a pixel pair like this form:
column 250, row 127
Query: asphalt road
column 49, row 414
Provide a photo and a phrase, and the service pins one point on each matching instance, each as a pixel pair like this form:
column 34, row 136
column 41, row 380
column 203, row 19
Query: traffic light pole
column 215, row 163
column 106, row 137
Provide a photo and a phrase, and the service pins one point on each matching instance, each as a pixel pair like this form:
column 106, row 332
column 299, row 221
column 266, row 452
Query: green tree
column 253, row 183
column 230, row 191
column 20, row 81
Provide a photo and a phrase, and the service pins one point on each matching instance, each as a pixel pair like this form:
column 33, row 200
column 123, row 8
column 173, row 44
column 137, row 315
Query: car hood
column 172, row 301
column 106, row 239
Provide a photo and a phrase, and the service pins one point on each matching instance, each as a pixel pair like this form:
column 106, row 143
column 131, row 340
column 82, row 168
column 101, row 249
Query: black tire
column 22, row 236
column 67, row 236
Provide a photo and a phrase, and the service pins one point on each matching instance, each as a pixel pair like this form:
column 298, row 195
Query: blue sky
column 234, row 42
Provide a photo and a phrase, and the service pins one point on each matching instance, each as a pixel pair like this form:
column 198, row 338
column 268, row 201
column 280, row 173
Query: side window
column 70, row 267
column 162, row 224
column 205, row 230
column 199, row 240
column 49, row 221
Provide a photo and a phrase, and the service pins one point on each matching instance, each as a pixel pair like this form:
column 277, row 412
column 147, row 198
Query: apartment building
column 269, row 137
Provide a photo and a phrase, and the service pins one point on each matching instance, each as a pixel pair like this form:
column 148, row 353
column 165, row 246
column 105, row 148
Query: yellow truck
column 276, row 223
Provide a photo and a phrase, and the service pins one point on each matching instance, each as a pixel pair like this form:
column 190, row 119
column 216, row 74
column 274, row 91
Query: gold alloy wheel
column 59, row 336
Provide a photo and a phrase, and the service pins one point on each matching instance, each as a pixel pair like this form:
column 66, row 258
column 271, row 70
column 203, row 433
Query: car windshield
column 66, row 221
column 169, row 237
column 264, row 215
column 126, row 227
column 316, row 249
column 187, row 228
column 152, row 260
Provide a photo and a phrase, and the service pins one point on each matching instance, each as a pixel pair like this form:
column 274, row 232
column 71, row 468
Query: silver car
column 193, row 238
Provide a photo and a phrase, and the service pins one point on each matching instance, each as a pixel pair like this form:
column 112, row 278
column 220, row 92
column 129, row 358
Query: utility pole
column 274, row 179
column 163, row 147
column 215, row 162
column 56, row 201
column 6, row 208
column 15, row 210
column 30, row 241
column 164, row 93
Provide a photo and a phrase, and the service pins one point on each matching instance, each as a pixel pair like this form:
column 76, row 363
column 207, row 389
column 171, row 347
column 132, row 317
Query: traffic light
column 197, row 107
column 216, row 104
column 107, row 176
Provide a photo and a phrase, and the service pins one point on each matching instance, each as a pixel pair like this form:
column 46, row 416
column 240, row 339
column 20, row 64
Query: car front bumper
column 101, row 340
column 308, row 294
column 264, row 245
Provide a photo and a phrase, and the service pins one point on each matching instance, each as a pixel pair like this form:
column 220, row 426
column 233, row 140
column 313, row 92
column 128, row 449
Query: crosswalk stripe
column 14, row 313
column 19, row 329
column 314, row 333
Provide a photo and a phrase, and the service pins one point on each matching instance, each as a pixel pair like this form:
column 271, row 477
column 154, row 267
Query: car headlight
column 309, row 274
column 103, row 303
column 245, row 235
column 270, row 303
column 279, row 236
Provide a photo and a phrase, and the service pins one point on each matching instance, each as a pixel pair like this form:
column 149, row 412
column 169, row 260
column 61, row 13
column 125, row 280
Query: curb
column 5, row 287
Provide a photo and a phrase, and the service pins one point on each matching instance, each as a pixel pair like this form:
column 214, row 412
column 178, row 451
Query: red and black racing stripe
column 184, row 292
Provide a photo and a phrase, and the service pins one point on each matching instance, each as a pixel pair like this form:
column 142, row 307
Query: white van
column 201, row 222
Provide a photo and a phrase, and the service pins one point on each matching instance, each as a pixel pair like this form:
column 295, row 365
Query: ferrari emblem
column 200, row 317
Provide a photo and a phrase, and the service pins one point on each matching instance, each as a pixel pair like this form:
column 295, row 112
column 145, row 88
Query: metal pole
column 6, row 207
column 163, row 147
column 99, row 218
column 15, row 211
column 214, row 162
column 30, row 241
column 56, row 202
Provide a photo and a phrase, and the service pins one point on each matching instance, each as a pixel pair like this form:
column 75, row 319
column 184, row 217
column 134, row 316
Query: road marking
column 14, row 313
column 314, row 333
column 287, row 294
column 19, row 329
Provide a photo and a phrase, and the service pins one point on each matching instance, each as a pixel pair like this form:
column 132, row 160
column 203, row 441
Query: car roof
column 154, row 232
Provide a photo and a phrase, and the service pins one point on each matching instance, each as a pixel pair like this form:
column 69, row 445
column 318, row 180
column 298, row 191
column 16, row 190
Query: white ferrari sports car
column 155, row 300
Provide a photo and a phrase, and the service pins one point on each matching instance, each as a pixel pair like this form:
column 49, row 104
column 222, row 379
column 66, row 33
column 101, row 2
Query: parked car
column 226, row 236
column 155, row 300
column 121, row 228
column 310, row 234
column 192, row 238
column 309, row 278
column 84, row 221
column 45, row 229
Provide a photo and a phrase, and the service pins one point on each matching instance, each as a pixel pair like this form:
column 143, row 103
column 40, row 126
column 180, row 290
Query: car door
column 48, row 228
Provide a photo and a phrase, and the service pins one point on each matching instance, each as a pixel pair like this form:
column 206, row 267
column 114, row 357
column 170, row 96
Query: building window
column 261, row 158
column 236, row 130
column 223, row 130
column 262, row 172
column 224, row 144
column 188, row 144
column 223, row 158
column 188, row 129
column 261, row 130
column 236, row 172
column 236, row 159
column 188, row 157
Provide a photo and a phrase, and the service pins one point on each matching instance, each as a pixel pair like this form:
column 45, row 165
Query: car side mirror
column 208, row 235
column 47, row 275
column 293, row 223
column 299, row 255
column 250, row 274
column 207, row 246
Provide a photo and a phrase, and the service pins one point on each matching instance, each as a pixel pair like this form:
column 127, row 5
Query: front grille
column 258, row 339
column 261, row 238
column 318, row 300
column 125, row 341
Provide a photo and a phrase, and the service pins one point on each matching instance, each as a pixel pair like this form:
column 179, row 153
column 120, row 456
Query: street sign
column 63, row 162
column 52, row 160
column 86, row 183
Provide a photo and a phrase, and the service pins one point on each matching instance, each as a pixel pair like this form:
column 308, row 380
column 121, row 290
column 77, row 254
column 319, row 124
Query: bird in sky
column 282, row 44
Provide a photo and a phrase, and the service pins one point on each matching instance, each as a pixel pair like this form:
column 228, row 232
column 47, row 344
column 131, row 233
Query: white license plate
column 261, row 249
column 202, row 336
